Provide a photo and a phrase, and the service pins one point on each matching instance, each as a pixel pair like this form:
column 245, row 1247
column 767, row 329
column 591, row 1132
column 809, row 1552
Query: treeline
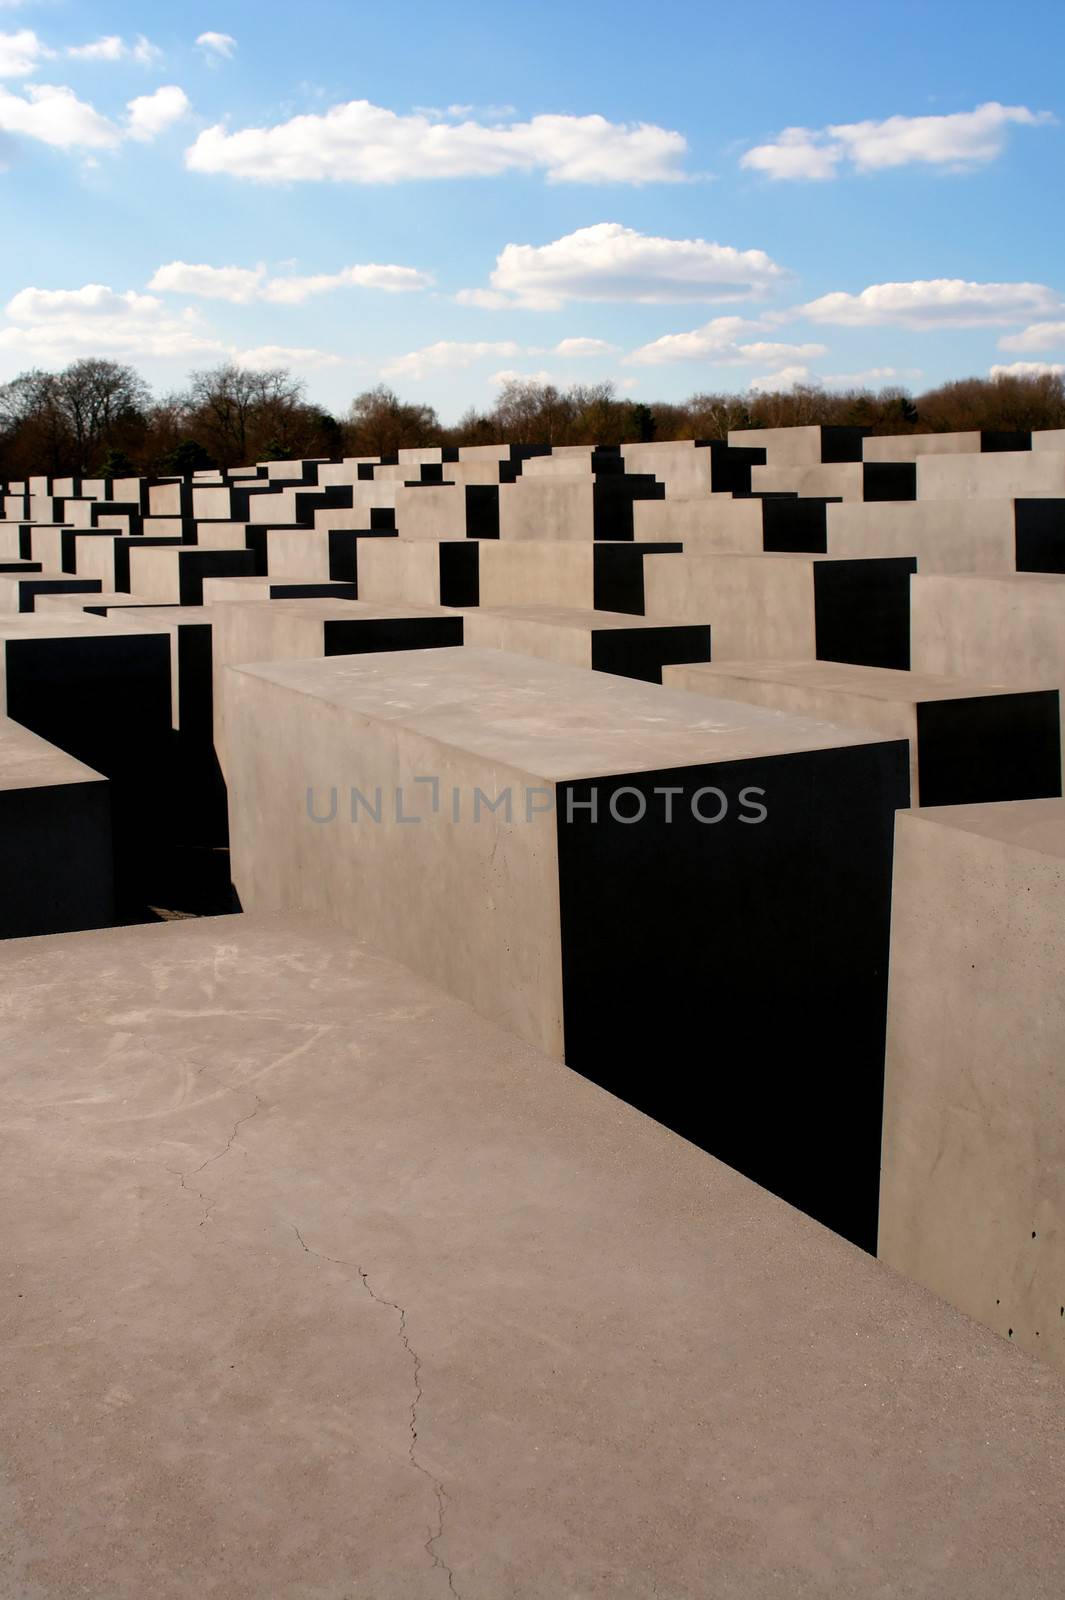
column 99, row 417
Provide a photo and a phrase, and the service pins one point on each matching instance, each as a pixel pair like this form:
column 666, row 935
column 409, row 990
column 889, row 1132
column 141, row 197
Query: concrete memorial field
column 532, row 1027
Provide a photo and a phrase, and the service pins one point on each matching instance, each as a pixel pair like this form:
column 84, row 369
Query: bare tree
column 379, row 423
column 103, row 404
column 231, row 404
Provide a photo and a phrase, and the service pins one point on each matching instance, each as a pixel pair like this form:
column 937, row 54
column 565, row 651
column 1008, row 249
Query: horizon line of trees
column 99, row 417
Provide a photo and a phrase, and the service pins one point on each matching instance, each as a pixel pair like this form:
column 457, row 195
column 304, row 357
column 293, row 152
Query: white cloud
column 236, row 284
column 219, row 45
column 56, row 117
column 151, row 114
column 610, row 262
column 390, row 279
column 957, row 141
column 584, row 347
column 447, row 353
column 871, row 377
column 114, row 48
column 1030, row 369
column 241, row 285
column 719, row 342
column 508, row 375
column 20, row 52
column 486, row 299
column 53, row 114
column 55, row 325
column 1040, row 336
column 358, row 142
column 282, row 355
column 934, row 303
column 786, row 378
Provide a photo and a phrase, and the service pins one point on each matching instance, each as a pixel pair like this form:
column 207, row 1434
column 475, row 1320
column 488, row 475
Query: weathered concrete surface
column 974, row 1119
column 318, row 1285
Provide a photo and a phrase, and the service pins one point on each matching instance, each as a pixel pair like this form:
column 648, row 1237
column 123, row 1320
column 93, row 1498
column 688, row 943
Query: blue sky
column 688, row 197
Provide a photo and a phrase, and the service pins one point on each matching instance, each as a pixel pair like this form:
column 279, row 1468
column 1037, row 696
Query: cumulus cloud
column 584, row 347
column 58, row 324
column 359, row 142
column 236, row 284
column 220, row 46
column 151, row 114
column 20, row 53
column 1030, row 369
column 55, row 116
column 1040, row 336
column 114, row 48
column 447, row 353
column 241, row 285
column 610, row 262
column 719, row 342
column 934, row 303
column 957, row 141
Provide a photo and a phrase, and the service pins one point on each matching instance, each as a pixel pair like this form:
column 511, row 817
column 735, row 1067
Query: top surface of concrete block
column 1037, row 825
column 558, row 722
column 874, row 683
column 29, row 762
column 579, row 618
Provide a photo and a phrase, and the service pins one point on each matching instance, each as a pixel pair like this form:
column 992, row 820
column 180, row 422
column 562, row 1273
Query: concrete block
column 101, row 693
column 800, row 447
column 944, row 535
column 974, row 1128
column 1002, row 475
column 222, row 591
column 855, row 480
column 18, row 592
column 573, row 508
column 793, row 607
column 603, row 641
column 55, row 839
column 169, row 573
column 968, row 741
column 554, row 912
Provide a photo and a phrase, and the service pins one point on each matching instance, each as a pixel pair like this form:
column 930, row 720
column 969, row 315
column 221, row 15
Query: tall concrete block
column 766, row 607
column 594, row 861
column 800, row 447
column 998, row 476
column 968, row 741
column 974, row 1115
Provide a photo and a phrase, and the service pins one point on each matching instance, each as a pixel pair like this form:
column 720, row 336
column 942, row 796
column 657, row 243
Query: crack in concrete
column 192, row 1172
column 435, row 1535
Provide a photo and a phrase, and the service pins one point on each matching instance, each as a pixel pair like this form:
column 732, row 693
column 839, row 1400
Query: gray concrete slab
column 974, row 1181
column 322, row 1285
